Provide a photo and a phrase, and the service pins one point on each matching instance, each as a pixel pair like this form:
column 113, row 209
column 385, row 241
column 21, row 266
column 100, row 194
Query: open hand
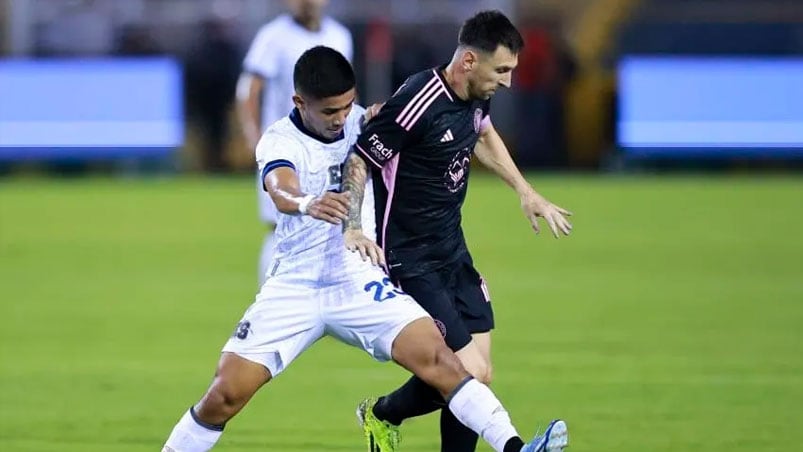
column 356, row 241
column 535, row 205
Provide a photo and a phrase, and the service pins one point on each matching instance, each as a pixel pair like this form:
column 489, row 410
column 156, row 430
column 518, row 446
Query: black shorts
column 457, row 298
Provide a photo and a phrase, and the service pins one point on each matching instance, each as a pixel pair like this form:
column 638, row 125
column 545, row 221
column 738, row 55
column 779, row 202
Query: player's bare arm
column 249, row 91
column 355, row 173
column 492, row 152
column 283, row 186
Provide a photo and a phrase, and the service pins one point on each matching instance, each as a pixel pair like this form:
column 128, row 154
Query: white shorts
column 365, row 311
column 267, row 209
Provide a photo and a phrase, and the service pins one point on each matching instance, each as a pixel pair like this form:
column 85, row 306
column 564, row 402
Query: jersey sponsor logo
column 378, row 149
column 457, row 171
column 447, row 137
column 477, row 120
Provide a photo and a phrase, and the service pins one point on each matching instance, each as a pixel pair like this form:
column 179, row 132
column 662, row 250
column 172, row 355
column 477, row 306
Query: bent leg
column 420, row 349
column 236, row 381
column 456, row 437
column 414, row 397
column 280, row 325
column 483, row 343
column 475, row 362
column 472, row 300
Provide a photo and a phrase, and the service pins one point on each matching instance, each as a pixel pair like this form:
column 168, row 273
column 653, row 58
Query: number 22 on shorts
column 383, row 290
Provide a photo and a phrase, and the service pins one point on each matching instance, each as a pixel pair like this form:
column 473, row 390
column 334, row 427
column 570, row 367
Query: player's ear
column 468, row 59
column 298, row 101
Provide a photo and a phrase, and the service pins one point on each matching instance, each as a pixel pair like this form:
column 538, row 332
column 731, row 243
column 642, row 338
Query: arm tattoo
column 355, row 174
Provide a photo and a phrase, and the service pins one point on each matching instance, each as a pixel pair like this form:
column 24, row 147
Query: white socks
column 472, row 403
column 190, row 436
column 477, row 408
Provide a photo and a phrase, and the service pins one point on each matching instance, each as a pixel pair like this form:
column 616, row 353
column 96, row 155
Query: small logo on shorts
column 441, row 327
column 242, row 330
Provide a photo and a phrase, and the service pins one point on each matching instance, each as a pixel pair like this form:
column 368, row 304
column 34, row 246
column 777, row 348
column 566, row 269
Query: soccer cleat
column 380, row 436
column 556, row 438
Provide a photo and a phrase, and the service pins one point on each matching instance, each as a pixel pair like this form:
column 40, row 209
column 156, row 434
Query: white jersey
column 312, row 250
column 274, row 52
column 316, row 287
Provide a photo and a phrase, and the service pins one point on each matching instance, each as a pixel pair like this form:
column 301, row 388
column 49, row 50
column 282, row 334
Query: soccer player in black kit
column 418, row 149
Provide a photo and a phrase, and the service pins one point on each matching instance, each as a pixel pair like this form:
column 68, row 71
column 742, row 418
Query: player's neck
column 309, row 23
column 456, row 80
column 301, row 124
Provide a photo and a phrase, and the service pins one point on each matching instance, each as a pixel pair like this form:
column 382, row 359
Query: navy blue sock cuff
column 514, row 444
column 214, row 428
column 457, row 389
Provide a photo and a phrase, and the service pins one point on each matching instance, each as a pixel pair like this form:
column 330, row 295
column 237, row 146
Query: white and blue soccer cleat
column 554, row 439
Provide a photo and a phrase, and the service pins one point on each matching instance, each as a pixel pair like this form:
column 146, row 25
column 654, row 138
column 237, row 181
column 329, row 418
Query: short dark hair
column 487, row 30
column 323, row 72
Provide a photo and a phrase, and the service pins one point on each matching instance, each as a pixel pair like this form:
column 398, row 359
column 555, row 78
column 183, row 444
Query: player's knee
column 420, row 348
column 480, row 370
column 441, row 368
column 447, row 363
column 484, row 373
column 221, row 402
column 487, row 375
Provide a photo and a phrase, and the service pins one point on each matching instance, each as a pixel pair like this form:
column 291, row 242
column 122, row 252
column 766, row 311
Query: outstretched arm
column 355, row 174
column 493, row 153
column 283, row 186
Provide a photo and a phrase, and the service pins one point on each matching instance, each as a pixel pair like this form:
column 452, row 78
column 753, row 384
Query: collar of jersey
column 295, row 116
column 439, row 72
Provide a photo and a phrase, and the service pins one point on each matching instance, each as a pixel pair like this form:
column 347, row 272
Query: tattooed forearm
column 355, row 172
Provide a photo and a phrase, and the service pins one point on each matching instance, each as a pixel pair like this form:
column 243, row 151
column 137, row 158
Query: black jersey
column 420, row 145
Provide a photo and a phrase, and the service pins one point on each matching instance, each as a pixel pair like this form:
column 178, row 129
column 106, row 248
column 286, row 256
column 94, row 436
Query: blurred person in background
column 265, row 90
column 79, row 28
column 136, row 40
column 418, row 51
column 212, row 68
column 419, row 148
column 546, row 65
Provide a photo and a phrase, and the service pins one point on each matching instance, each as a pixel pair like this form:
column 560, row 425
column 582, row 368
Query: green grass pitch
column 671, row 320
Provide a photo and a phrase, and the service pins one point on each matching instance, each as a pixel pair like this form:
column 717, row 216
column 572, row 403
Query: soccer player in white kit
column 317, row 287
column 265, row 91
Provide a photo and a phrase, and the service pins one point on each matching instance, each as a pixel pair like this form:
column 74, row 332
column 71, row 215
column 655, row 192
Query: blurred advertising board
column 90, row 109
column 710, row 107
